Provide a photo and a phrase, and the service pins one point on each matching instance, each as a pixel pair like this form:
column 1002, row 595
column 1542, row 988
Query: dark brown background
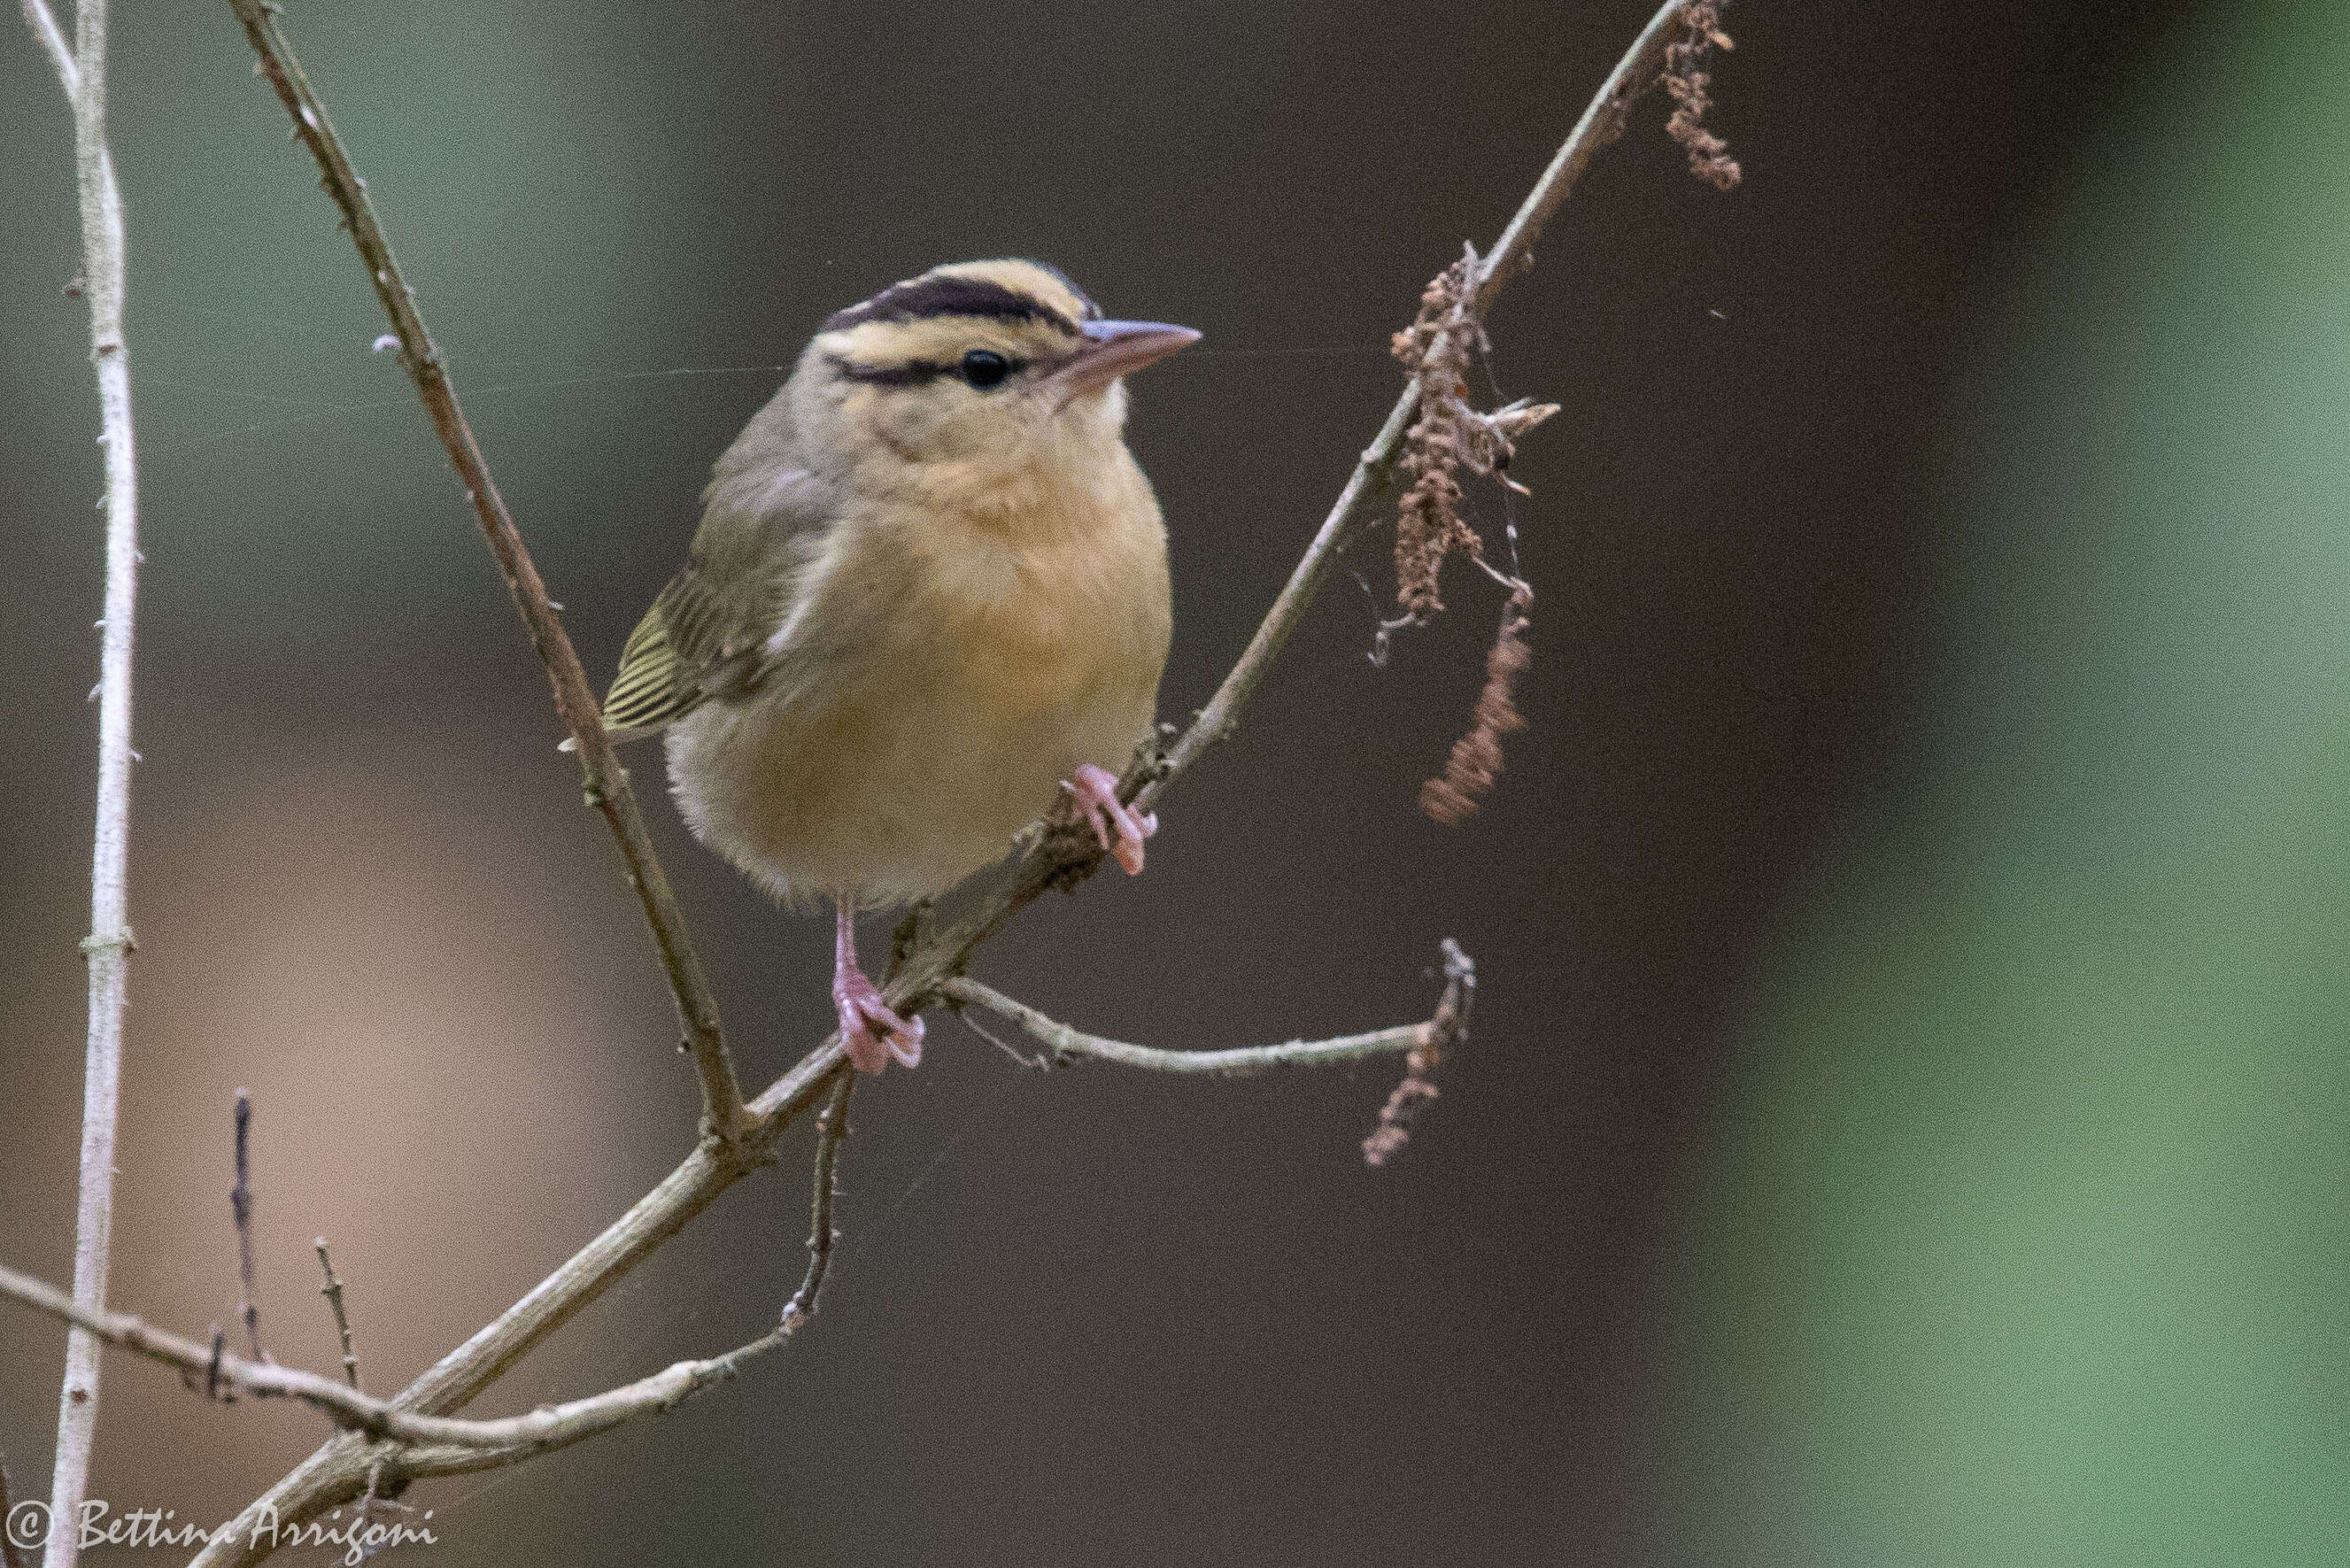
column 1082, row 1318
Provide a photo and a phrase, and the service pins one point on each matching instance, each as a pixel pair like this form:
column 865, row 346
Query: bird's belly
column 902, row 789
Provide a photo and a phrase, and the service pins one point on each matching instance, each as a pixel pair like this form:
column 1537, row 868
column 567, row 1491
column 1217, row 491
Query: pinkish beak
column 1115, row 349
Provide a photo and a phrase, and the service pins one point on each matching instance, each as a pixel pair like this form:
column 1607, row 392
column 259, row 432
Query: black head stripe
column 911, row 373
column 934, row 294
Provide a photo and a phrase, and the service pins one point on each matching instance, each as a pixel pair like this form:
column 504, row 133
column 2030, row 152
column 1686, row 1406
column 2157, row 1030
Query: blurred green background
column 2019, row 1237
column 1906, row 1125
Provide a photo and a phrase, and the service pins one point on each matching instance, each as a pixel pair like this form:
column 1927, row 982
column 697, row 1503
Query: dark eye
column 984, row 368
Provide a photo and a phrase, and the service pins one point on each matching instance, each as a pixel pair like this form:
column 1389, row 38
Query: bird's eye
column 984, row 368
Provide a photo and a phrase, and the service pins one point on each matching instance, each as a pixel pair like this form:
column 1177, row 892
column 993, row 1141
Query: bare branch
column 509, row 1437
column 240, row 1207
column 333, row 1291
column 1067, row 1044
column 606, row 781
column 81, row 74
column 831, row 1128
column 338, row 1471
column 1642, row 64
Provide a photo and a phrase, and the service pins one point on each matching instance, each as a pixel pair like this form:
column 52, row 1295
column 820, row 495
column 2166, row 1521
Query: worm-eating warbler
column 929, row 592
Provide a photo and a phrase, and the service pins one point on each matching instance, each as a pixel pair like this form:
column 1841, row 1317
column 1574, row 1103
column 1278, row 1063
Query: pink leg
column 1119, row 828
column 862, row 1012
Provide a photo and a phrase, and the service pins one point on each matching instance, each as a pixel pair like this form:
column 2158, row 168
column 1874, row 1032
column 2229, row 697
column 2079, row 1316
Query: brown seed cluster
column 1428, row 525
column 1476, row 756
column 1686, row 79
column 1449, row 436
column 1443, row 1033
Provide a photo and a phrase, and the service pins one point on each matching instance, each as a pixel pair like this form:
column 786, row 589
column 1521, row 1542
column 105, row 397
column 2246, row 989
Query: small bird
column 928, row 595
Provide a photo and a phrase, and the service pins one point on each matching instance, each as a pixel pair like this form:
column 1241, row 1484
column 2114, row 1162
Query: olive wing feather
column 710, row 632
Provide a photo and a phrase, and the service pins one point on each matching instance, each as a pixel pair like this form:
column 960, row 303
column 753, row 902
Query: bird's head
column 981, row 366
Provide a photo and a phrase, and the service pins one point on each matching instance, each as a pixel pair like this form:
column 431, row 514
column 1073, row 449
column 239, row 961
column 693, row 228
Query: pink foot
column 869, row 1031
column 1119, row 828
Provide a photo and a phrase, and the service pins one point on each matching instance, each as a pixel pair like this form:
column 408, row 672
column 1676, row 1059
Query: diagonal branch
column 338, row 1471
column 605, row 780
column 59, row 54
column 1066, row 1045
column 1600, row 124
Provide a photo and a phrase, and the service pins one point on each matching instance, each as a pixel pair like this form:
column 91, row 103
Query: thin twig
column 831, row 1130
column 1067, row 1044
column 81, row 75
column 227, row 1376
column 992, row 1038
column 240, row 1207
column 605, row 780
column 333, row 1291
column 336, row 1472
column 364, row 1514
column 52, row 39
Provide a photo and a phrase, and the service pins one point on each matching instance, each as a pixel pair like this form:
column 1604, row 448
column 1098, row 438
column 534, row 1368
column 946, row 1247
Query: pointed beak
column 1115, row 348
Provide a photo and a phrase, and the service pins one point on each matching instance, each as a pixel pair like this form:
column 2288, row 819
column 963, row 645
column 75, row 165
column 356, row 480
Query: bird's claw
column 1117, row 827
column 871, row 1030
